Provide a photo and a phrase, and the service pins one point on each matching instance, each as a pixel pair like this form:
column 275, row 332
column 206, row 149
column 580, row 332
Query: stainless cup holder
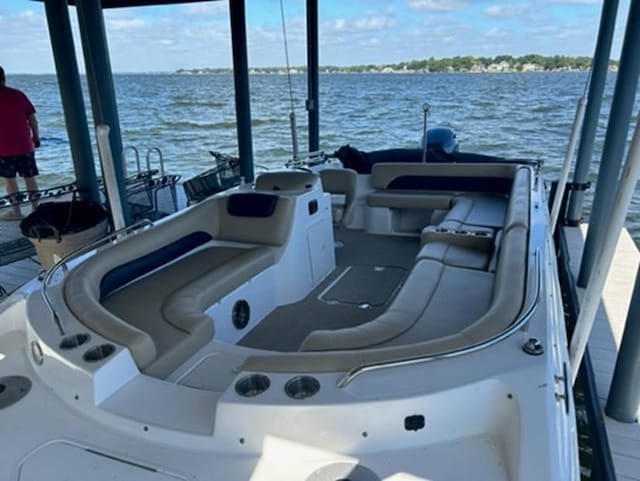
column 73, row 341
column 99, row 353
column 252, row 385
column 302, row 387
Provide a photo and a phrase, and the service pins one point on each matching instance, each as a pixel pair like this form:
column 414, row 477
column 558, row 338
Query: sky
column 353, row 32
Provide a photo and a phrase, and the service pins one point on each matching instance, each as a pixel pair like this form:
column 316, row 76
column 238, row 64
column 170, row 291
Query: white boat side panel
column 168, row 405
column 294, row 274
column 260, row 292
column 111, row 376
column 321, row 251
column 62, row 461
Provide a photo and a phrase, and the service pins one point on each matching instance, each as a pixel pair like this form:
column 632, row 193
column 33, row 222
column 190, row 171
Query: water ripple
column 510, row 115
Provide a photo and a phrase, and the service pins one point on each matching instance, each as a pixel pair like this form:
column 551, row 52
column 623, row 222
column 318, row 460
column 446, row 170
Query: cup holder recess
column 99, row 353
column 252, row 385
column 301, row 387
column 71, row 342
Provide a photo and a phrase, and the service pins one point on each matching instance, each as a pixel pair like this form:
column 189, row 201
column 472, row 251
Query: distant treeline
column 468, row 63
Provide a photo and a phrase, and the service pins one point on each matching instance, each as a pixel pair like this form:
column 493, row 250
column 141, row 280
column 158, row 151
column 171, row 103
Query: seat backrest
column 287, row 180
column 255, row 218
column 342, row 182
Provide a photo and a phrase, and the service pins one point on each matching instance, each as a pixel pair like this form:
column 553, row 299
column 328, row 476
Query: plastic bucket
column 52, row 250
column 58, row 228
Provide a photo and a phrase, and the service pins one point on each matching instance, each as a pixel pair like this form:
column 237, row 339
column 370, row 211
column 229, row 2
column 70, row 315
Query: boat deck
column 605, row 339
column 624, row 439
column 360, row 289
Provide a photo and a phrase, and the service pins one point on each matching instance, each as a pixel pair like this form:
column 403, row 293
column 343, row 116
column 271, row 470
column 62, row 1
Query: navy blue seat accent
column 125, row 273
column 251, row 204
column 497, row 185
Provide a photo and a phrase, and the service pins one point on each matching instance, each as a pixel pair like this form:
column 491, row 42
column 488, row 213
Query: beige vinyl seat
column 340, row 182
column 287, row 180
column 179, row 277
column 436, row 284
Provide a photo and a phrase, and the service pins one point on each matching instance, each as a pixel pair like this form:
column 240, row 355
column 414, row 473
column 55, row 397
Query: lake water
column 524, row 115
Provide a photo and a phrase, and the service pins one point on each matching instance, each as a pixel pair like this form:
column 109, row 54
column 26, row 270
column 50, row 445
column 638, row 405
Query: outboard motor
column 442, row 138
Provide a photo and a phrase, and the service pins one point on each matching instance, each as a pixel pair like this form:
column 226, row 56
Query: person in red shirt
column 18, row 139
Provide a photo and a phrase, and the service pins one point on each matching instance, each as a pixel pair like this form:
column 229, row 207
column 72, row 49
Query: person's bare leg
column 31, row 185
column 11, row 185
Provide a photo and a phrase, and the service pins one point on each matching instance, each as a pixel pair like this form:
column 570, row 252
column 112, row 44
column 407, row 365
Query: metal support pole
column 71, row 95
column 615, row 141
column 100, row 80
column 617, row 215
column 425, row 108
column 598, row 79
column 564, row 175
column 294, row 135
column 313, row 82
column 241, row 82
column 623, row 402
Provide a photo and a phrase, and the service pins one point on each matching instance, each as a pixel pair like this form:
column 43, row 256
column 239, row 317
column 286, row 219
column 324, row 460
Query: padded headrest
column 251, row 204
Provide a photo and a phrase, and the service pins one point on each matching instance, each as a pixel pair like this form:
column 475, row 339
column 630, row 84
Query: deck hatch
column 364, row 284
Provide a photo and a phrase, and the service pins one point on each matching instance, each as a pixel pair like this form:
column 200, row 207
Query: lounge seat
column 173, row 316
column 178, row 280
column 433, row 288
column 456, row 255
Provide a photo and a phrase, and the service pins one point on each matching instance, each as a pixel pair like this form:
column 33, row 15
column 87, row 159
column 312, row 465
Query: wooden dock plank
column 624, row 439
column 15, row 275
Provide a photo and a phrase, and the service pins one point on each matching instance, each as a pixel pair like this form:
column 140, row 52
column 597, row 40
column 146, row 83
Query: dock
column 16, row 268
column 624, row 439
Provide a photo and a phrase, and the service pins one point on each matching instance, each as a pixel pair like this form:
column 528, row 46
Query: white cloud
column 25, row 42
column 338, row 24
column 577, row 2
column 197, row 35
column 374, row 23
column 125, row 24
column 372, row 20
column 207, row 8
column 505, row 11
column 437, row 5
column 495, row 32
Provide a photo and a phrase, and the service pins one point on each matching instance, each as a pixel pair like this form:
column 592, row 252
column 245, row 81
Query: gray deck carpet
column 365, row 285
column 343, row 301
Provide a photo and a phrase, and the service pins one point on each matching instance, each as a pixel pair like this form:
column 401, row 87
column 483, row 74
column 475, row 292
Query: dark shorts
column 25, row 165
